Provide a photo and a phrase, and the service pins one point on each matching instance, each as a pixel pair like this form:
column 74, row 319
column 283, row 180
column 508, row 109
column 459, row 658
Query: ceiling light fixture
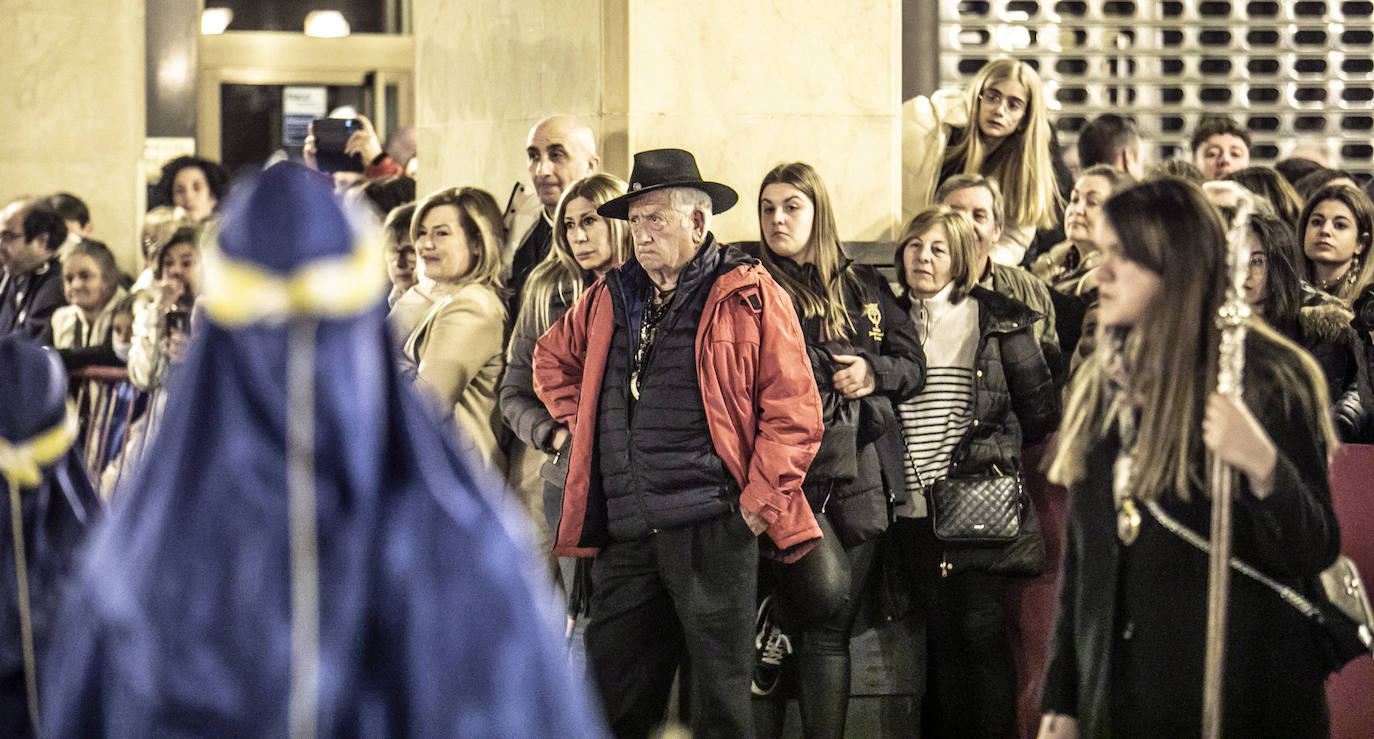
column 326, row 24
column 213, row 21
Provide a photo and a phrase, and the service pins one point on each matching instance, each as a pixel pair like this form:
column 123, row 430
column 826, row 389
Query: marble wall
column 486, row 71
column 73, row 117
column 748, row 85
column 743, row 86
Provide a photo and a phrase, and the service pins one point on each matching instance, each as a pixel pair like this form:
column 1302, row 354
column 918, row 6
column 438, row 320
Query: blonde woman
column 1142, row 424
column 453, row 321
column 999, row 127
column 988, row 392
column 585, row 247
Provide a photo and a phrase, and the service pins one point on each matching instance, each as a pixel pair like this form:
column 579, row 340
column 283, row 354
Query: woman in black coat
column 865, row 356
column 1143, row 420
column 1318, row 322
column 988, row 391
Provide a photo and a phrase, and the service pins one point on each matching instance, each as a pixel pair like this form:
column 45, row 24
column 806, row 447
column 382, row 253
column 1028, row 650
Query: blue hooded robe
column 55, row 514
column 432, row 620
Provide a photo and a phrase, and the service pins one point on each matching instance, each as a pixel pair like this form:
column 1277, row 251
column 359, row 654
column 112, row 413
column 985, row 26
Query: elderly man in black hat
column 683, row 379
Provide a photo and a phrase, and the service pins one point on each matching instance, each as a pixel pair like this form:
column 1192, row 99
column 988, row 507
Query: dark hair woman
column 988, row 391
column 194, row 184
column 865, row 356
column 162, row 312
column 1143, row 421
column 1270, row 185
column 1317, row 322
column 1337, row 226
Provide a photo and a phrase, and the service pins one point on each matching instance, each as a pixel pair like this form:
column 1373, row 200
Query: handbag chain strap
column 1288, row 594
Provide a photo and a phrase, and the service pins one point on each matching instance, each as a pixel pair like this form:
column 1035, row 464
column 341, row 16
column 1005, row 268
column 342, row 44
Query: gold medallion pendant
column 1127, row 514
column 1127, row 521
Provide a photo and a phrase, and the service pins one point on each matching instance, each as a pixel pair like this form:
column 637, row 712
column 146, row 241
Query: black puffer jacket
column 858, row 469
column 1014, row 400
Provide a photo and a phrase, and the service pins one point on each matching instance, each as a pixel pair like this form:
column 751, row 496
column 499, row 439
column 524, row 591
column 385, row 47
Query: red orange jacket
column 761, row 402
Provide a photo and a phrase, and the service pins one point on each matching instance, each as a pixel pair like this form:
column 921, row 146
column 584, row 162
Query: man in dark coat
column 30, row 234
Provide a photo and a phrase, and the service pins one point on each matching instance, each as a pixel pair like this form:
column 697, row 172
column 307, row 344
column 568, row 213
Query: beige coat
column 522, row 213
column 457, row 353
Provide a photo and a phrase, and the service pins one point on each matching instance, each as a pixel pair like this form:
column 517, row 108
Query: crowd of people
column 720, row 449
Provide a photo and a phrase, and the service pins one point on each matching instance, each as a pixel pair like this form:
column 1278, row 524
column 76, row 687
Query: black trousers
column 970, row 667
column 688, row 590
column 816, row 601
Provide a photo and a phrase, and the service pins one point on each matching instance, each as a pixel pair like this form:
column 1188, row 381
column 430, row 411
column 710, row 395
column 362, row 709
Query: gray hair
column 687, row 199
column 966, row 181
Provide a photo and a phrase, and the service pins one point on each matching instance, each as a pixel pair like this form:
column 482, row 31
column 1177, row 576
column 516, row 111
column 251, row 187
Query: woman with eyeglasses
column 999, row 127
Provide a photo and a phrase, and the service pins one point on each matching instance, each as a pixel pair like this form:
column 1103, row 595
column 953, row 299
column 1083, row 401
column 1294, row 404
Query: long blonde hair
column 1168, row 360
column 1022, row 163
column 827, row 254
column 559, row 275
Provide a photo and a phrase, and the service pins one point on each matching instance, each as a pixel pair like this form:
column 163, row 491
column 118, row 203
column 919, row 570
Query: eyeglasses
column 994, row 98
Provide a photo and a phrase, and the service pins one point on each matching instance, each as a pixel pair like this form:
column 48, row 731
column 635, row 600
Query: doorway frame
column 278, row 58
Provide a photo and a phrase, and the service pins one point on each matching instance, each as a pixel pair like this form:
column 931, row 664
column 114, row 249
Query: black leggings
column 815, row 602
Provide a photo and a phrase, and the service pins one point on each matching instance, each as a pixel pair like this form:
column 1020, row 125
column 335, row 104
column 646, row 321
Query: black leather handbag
column 976, row 510
column 988, row 524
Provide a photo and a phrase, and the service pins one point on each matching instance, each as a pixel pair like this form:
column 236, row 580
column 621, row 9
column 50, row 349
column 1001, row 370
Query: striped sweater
column 938, row 418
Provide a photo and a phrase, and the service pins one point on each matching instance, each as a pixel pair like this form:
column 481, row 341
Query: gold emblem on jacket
column 875, row 319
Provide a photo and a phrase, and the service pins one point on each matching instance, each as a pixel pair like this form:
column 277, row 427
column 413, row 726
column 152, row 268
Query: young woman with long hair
column 1142, row 425
column 1337, row 226
column 988, row 392
column 585, row 247
column 1317, row 322
column 865, row 356
column 998, row 127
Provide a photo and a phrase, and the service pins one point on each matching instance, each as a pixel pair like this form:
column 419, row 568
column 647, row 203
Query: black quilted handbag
column 977, row 510
column 988, row 524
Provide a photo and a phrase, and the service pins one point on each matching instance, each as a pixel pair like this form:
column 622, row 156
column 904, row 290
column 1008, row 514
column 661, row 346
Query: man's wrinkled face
column 665, row 239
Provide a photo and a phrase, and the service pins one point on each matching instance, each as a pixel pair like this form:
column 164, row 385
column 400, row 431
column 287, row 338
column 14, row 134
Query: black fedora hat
column 658, row 169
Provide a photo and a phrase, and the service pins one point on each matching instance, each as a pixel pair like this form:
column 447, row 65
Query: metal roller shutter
column 1289, row 70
